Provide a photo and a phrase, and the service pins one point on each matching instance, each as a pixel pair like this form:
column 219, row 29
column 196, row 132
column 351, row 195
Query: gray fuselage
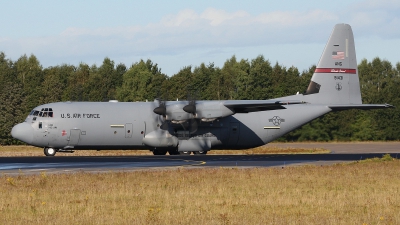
column 124, row 125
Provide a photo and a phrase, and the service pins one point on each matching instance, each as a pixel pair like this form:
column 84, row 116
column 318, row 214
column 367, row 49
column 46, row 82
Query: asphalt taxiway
column 341, row 152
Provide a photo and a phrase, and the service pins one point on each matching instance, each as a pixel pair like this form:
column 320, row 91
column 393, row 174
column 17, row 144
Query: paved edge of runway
column 34, row 165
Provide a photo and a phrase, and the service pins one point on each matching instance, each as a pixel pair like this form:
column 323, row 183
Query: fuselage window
column 40, row 125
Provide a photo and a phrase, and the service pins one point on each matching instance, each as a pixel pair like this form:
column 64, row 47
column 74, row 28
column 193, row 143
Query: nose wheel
column 50, row 151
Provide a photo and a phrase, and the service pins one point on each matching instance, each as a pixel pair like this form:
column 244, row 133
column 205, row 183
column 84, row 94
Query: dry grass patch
column 11, row 151
column 265, row 149
column 360, row 193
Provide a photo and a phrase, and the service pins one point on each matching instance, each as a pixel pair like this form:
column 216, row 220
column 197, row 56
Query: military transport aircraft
column 182, row 127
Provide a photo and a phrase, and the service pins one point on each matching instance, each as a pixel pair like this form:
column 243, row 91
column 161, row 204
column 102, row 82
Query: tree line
column 25, row 84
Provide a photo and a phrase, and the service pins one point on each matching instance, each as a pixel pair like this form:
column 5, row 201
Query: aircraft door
column 41, row 135
column 74, row 137
column 137, row 132
column 234, row 133
column 128, row 130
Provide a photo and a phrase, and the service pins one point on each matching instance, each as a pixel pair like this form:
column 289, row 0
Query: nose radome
column 23, row 132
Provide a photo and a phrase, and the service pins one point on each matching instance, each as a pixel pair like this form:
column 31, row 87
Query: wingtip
column 389, row 106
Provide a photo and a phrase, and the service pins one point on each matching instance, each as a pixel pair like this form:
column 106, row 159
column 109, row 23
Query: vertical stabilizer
column 335, row 80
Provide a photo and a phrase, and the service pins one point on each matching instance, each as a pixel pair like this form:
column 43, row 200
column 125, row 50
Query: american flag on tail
column 337, row 55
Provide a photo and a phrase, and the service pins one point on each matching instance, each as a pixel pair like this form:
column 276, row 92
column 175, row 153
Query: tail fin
column 335, row 80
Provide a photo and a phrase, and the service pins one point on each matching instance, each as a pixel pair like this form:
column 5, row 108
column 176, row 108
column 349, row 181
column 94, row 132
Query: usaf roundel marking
column 276, row 120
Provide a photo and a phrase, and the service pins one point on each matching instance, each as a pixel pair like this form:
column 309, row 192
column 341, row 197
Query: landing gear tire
column 184, row 153
column 200, row 153
column 176, row 152
column 50, row 151
column 159, row 152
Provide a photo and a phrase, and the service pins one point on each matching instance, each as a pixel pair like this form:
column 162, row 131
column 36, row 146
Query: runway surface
column 341, row 152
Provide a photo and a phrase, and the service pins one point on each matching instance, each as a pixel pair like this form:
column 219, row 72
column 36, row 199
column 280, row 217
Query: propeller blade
column 160, row 110
column 191, row 108
column 193, row 126
column 164, row 125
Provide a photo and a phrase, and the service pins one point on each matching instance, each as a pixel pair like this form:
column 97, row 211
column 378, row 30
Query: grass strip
column 367, row 192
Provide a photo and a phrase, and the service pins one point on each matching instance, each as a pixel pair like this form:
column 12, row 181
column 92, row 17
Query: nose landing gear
column 50, row 151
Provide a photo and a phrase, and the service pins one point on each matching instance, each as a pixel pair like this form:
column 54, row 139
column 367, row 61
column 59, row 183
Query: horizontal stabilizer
column 246, row 106
column 360, row 106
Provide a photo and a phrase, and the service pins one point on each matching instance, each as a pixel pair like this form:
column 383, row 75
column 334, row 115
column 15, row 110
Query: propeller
column 161, row 111
column 193, row 126
column 175, row 115
column 191, row 108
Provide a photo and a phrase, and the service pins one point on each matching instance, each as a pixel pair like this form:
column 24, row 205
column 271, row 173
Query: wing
column 246, row 106
column 211, row 110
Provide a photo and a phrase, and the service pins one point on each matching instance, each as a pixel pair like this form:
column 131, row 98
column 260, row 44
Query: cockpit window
column 45, row 112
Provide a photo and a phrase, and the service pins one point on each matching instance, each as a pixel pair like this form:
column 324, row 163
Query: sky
column 179, row 33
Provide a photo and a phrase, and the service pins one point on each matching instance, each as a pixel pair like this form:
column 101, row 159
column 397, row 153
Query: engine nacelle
column 206, row 111
column 212, row 110
column 175, row 112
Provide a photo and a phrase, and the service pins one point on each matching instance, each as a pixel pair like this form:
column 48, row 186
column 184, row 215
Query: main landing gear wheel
column 176, row 152
column 159, row 152
column 200, row 153
column 184, row 153
column 50, row 151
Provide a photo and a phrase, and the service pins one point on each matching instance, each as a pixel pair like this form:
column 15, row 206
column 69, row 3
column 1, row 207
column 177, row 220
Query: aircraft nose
column 23, row 132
